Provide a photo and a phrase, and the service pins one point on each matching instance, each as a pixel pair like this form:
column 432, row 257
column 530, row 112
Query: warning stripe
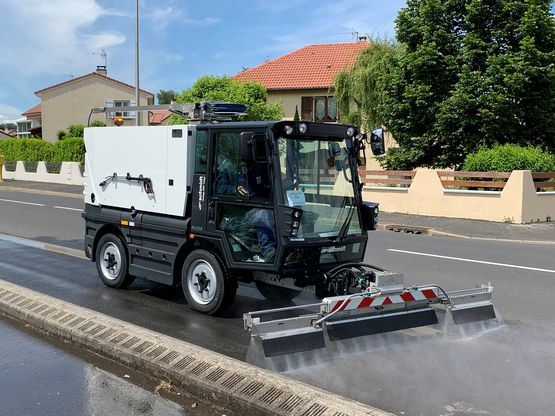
column 343, row 303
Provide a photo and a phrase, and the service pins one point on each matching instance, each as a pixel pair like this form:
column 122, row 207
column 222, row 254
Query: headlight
column 303, row 128
column 288, row 129
column 350, row 131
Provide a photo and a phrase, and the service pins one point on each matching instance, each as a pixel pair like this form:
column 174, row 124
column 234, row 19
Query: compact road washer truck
column 278, row 203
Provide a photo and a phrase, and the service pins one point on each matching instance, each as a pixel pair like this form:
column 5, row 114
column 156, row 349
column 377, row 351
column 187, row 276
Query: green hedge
column 68, row 150
column 509, row 157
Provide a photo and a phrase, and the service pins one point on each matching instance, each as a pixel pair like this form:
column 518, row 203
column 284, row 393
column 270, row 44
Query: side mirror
column 377, row 142
column 253, row 147
column 369, row 213
column 246, row 146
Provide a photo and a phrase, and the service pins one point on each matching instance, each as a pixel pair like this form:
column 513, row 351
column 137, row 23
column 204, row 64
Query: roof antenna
column 103, row 56
column 353, row 33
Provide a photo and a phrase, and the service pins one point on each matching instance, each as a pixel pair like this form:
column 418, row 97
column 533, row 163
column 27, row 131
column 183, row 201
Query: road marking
column 491, row 263
column 22, row 202
column 68, row 208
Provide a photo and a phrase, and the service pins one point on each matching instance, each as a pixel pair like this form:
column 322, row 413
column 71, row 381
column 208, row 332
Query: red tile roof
column 158, row 116
column 33, row 111
column 313, row 66
column 70, row 81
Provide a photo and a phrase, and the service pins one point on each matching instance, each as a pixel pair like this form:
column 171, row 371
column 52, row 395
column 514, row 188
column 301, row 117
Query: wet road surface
column 510, row 371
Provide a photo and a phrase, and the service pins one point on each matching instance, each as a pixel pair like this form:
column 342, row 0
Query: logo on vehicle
column 337, row 249
column 201, row 191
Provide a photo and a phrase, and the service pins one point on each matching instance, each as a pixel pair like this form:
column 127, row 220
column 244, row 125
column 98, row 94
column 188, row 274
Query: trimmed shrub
column 71, row 149
column 61, row 134
column 75, row 130
column 27, row 149
column 98, row 123
column 509, row 157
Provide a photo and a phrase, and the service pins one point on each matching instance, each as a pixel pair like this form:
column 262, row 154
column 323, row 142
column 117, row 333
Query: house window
column 322, row 108
column 24, row 129
column 123, row 103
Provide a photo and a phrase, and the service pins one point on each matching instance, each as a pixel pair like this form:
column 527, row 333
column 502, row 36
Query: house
column 70, row 102
column 30, row 124
column 159, row 117
column 304, row 79
column 8, row 133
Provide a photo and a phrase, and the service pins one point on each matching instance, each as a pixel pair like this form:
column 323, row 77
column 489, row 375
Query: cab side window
column 201, row 151
column 227, row 164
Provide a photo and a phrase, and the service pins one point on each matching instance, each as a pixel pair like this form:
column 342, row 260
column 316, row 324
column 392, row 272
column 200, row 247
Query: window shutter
column 307, row 108
column 131, row 114
column 109, row 103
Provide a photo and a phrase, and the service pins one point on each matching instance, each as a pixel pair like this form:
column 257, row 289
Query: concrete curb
column 232, row 384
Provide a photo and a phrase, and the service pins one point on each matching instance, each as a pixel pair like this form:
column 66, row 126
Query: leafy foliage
column 61, row 134
column 253, row 94
column 509, row 157
column 71, row 149
column 166, row 96
column 75, row 130
column 26, row 149
column 474, row 73
column 360, row 90
column 98, row 123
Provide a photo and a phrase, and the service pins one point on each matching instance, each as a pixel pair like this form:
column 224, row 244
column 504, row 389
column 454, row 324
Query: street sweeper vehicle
column 278, row 203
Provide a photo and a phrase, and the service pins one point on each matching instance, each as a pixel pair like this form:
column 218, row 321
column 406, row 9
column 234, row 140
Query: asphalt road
column 451, row 375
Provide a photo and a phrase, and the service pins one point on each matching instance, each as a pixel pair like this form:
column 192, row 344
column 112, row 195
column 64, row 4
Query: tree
column 253, row 94
column 474, row 73
column 166, row 96
column 360, row 90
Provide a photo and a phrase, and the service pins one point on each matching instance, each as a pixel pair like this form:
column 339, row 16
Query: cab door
column 240, row 202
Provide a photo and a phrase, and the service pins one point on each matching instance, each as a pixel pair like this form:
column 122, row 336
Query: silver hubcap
column 111, row 261
column 201, row 282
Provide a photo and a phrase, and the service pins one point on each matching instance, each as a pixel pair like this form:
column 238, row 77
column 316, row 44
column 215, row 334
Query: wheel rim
column 201, row 282
column 111, row 261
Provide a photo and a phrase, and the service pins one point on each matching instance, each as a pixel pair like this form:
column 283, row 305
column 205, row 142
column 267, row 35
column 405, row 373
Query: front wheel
column 206, row 284
column 111, row 262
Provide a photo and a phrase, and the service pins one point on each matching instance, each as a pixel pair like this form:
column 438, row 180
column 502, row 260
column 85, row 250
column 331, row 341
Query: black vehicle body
column 157, row 246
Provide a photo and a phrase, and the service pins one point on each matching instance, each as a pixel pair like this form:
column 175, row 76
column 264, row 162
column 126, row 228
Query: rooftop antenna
column 103, row 56
column 353, row 33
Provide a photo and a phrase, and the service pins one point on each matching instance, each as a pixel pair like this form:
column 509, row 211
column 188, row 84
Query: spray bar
column 375, row 310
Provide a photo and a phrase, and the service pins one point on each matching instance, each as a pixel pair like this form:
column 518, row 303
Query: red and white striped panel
column 361, row 302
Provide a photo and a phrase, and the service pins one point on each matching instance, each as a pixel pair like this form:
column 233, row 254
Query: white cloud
column 52, row 37
column 9, row 113
column 101, row 40
column 162, row 16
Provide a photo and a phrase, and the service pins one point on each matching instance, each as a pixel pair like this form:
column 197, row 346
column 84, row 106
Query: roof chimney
column 101, row 70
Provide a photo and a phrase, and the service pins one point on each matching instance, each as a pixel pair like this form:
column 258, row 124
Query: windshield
column 316, row 177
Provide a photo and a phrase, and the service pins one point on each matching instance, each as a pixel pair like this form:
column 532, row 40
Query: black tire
column 207, row 285
column 276, row 293
column 111, row 262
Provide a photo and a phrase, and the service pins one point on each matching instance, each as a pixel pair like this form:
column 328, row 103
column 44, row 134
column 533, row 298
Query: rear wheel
column 111, row 262
column 276, row 293
column 207, row 285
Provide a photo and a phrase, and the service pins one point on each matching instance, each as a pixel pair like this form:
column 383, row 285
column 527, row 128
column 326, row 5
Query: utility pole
column 137, row 96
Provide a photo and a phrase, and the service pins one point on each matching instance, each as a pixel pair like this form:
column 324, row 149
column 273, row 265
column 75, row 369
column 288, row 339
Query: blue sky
column 43, row 41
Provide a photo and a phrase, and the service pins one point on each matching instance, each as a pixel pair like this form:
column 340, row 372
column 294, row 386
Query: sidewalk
column 538, row 232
